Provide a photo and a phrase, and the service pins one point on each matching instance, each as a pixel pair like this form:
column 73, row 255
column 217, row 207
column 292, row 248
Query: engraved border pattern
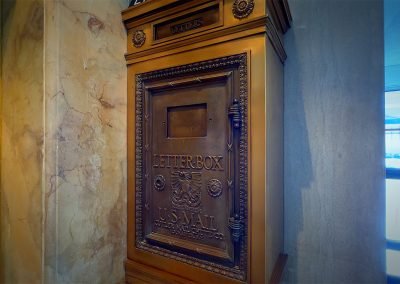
column 240, row 62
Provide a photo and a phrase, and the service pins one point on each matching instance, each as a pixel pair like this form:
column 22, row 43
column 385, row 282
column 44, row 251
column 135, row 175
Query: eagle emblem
column 186, row 190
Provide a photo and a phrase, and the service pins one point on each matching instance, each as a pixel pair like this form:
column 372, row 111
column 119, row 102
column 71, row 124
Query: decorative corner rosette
column 242, row 8
column 139, row 38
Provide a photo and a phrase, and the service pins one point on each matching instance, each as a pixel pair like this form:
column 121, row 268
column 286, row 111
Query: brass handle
column 234, row 114
column 236, row 226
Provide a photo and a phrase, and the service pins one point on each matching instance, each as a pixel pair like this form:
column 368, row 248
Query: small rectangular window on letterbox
column 187, row 121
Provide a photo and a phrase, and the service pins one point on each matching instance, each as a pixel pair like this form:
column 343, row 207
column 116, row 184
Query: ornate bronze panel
column 191, row 164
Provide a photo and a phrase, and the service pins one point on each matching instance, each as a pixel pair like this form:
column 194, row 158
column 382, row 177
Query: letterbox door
column 192, row 176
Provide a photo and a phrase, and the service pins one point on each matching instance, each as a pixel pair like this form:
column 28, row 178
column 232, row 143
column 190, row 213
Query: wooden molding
column 144, row 9
column 275, row 23
column 280, row 13
column 276, row 41
column 141, row 14
column 207, row 35
column 140, row 273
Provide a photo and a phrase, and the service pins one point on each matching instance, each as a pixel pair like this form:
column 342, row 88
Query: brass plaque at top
column 191, row 164
column 203, row 17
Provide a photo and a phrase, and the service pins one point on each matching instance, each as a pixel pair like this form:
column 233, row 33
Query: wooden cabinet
column 205, row 140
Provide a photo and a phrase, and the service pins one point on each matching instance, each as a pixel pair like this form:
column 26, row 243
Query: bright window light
column 392, row 126
column 393, row 262
column 393, row 210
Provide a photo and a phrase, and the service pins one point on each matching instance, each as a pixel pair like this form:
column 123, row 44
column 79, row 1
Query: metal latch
column 234, row 113
column 236, row 226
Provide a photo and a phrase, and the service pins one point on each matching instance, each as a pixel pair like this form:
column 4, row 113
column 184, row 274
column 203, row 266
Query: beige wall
column 21, row 142
column 63, row 142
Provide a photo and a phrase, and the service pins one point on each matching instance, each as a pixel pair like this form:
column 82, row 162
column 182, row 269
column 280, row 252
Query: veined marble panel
column 85, row 186
column 21, row 142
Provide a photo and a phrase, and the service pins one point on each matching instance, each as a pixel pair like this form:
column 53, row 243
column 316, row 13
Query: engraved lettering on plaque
column 187, row 26
column 196, row 162
column 188, row 224
column 208, row 15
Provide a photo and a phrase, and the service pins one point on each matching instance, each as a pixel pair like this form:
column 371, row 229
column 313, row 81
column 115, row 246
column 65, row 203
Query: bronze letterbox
column 190, row 135
column 193, row 132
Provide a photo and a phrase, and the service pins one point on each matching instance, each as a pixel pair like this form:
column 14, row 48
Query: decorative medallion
column 159, row 183
column 186, row 190
column 139, row 38
column 214, row 187
column 242, row 8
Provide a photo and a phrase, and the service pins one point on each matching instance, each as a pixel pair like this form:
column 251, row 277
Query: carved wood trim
column 238, row 62
column 275, row 40
column 184, row 82
column 137, row 272
column 267, row 22
column 145, row 8
column 280, row 12
column 152, row 10
column 200, row 37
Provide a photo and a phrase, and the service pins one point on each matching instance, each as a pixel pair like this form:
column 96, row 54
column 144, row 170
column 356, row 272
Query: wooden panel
column 204, row 38
column 137, row 273
column 187, row 130
column 256, row 215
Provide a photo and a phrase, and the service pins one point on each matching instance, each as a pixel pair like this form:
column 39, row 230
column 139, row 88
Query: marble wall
column 21, row 141
column 63, row 155
column 85, row 178
column 334, row 142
